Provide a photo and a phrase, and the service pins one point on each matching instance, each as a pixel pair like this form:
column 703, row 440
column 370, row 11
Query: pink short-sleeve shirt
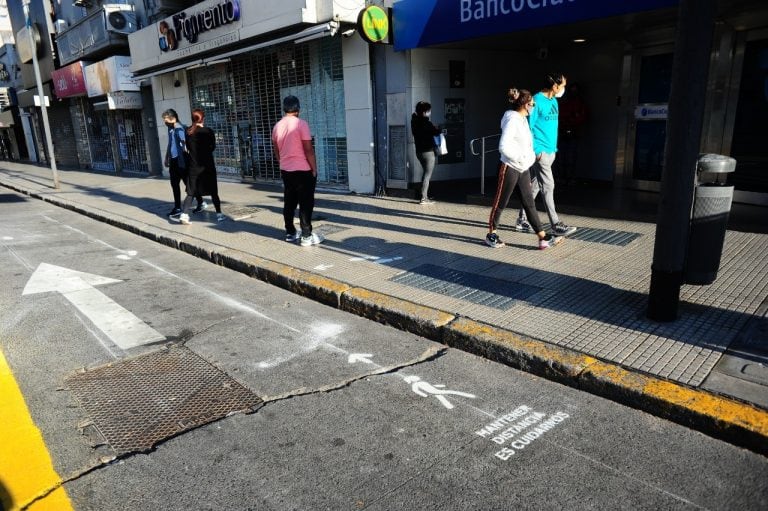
column 287, row 135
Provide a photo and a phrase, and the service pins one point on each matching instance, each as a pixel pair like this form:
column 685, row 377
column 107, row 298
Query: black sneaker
column 175, row 212
column 200, row 207
column 560, row 229
column 492, row 240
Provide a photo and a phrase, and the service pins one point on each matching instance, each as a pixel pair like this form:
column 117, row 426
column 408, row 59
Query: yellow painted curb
column 26, row 470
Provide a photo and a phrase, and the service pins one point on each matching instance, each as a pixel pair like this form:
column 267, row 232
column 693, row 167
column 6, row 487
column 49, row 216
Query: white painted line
column 375, row 259
column 119, row 324
column 365, row 358
column 323, row 267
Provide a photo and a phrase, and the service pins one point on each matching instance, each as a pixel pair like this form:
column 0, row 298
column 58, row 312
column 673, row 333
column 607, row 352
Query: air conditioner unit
column 120, row 18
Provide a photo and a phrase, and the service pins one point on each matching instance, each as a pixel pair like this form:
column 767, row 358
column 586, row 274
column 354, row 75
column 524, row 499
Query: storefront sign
column 69, row 81
column 110, row 75
column 420, row 23
column 6, row 119
column 373, row 24
column 188, row 25
column 120, row 100
column 651, row 112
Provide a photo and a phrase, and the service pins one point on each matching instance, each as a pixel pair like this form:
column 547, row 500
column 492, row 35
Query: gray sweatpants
column 543, row 181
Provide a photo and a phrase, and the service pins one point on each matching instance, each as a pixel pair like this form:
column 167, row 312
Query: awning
column 314, row 32
column 419, row 23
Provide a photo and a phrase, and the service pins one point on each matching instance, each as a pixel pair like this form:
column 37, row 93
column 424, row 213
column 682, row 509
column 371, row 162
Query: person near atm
column 424, row 133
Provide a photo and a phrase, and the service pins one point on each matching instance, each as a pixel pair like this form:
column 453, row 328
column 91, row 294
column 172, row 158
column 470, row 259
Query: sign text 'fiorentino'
column 189, row 26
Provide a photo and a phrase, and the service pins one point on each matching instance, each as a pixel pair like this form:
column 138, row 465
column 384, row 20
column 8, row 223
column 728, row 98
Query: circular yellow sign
column 374, row 23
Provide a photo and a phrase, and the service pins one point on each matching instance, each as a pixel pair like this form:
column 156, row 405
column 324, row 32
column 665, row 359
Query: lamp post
column 43, row 108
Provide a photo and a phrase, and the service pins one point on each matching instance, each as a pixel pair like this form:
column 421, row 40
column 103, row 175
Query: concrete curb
column 721, row 417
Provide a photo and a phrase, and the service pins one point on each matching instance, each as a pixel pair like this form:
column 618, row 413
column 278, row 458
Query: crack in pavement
column 430, row 354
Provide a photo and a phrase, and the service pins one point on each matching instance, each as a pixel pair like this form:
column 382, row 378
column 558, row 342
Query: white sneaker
column 184, row 219
column 312, row 239
column 220, row 217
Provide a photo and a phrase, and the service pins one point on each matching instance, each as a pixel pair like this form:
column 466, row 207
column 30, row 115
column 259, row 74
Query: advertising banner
column 419, row 23
column 110, row 75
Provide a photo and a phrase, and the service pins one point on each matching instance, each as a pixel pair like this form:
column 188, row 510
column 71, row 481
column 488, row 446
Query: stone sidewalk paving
column 584, row 298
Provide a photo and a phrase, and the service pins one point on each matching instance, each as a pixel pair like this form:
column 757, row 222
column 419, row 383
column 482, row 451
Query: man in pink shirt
column 296, row 156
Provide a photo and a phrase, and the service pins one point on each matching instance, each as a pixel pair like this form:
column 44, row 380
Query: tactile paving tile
column 606, row 236
column 136, row 403
column 466, row 286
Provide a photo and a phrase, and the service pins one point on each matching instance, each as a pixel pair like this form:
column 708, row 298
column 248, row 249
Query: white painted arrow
column 119, row 324
column 360, row 357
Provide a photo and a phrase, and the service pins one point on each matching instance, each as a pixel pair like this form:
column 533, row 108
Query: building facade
column 236, row 61
column 94, row 82
column 462, row 56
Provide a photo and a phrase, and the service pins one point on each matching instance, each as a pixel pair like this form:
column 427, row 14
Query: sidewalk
column 574, row 313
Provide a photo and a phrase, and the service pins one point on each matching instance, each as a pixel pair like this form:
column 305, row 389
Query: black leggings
column 510, row 181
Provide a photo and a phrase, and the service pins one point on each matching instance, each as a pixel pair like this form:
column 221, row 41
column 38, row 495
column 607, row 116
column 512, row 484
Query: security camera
column 348, row 33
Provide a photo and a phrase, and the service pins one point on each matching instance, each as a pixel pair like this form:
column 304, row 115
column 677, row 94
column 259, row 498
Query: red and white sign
column 69, row 81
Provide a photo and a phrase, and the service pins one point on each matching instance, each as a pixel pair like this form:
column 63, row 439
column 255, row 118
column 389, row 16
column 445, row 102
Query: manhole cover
column 136, row 403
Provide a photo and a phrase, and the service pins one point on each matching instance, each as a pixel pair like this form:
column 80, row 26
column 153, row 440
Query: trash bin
column 709, row 218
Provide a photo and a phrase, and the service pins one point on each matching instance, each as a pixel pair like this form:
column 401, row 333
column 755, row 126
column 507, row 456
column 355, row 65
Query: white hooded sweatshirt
column 516, row 142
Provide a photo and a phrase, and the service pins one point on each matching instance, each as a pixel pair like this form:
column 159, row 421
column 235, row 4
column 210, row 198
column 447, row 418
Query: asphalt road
column 344, row 413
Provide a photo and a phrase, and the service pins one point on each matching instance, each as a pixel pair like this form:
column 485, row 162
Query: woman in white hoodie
column 517, row 156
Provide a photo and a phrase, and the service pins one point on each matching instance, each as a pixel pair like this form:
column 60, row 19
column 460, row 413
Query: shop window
column 260, row 80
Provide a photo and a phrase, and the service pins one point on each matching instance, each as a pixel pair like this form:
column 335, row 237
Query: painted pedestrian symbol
column 425, row 389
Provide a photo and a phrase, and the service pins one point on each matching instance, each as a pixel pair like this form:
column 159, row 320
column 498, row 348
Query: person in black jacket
column 423, row 137
column 201, row 178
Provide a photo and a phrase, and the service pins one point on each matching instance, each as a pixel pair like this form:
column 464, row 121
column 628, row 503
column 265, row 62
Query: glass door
column 651, row 79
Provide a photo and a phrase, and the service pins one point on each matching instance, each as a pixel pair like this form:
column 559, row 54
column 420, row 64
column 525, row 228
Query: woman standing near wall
column 423, row 137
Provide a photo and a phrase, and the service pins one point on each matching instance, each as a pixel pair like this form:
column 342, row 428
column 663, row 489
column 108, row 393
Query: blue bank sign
column 426, row 22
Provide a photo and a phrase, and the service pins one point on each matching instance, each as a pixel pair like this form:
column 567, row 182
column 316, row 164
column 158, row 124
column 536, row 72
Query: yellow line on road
column 26, row 470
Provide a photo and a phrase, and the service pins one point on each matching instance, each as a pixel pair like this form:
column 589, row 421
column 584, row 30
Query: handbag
column 440, row 145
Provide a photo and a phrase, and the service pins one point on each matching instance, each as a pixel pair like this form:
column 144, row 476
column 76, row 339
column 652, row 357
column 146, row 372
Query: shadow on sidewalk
column 468, row 277
column 482, row 281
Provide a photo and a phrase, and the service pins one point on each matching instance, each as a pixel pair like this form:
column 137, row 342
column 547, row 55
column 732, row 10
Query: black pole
column 690, row 68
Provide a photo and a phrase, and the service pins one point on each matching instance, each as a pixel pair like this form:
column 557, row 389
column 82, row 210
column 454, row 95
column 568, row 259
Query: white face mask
column 427, row 113
column 560, row 93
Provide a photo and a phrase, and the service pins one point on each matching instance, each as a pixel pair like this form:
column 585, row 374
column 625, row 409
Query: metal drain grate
column 239, row 212
column 138, row 402
column 466, row 286
column 607, row 236
column 327, row 229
